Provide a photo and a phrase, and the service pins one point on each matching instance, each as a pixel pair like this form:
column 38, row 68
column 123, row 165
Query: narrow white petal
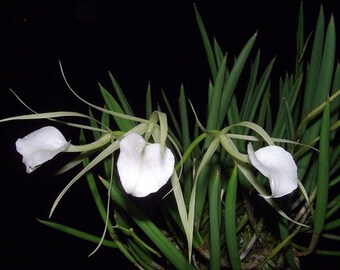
column 142, row 168
column 278, row 165
column 40, row 146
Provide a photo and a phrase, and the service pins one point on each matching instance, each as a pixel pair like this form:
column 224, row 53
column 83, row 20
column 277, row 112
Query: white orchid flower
column 143, row 168
column 40, row 146
column 278, row 165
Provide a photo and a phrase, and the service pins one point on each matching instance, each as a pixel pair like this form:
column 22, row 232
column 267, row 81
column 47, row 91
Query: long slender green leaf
column 172, row 114
column 77, row 233
column 215, row 220
column 327, row 62
column 300, row 43
column 277, row 249
column 314, row 67
column 186, row 143
column 218, row 53
column 215, row 102
column 150, row 229
column 335, row 105
column 124, row 116
column 142, row 256
column 323, row 175
column 181, row 206
column 322, row 90
column 247, row 101
column 285, row 237
column 233, row 78
column 207, row 45
column 113, row 105
column 200, row 187
column 148, row 102
column 121, row 96
column 258, row 95
column 230, row 221
column 108, row 151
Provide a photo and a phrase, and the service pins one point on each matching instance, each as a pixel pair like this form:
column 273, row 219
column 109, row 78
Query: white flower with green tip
column 278, row 165
column 143, row 168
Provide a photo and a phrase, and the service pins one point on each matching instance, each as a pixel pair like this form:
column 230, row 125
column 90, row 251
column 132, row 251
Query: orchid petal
column 278, row 166
column 142, row 167
column 40, row 146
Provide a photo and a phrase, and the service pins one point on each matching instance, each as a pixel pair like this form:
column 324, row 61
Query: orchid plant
column 207, row 177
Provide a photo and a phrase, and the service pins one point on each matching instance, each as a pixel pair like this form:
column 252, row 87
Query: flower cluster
column 144, row 168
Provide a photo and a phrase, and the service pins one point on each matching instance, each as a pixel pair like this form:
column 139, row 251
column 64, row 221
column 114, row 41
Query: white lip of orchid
column 278, row 166
column 142, row 167
column 45, row 143
column 40, row 146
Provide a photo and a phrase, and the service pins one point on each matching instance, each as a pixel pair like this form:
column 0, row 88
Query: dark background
column 138, row 41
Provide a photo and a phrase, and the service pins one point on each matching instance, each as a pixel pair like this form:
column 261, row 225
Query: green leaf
column 230, row 221
column 323, row 173
column 171, row 113
column 77, row 233
column 148, row 102
column 233, row 78
column 174, row 256
column 207, row 45
column 186, row 143
column 215, row 102
column 100, row 157
column 300, row 43
column 247, row 100
column 218, row 53
column 113, row 105
column 121, row 96
column 277, row 249
column 215, row 220
column 314, row 67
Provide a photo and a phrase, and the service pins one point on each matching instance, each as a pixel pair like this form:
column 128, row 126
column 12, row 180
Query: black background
column 138, row 41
